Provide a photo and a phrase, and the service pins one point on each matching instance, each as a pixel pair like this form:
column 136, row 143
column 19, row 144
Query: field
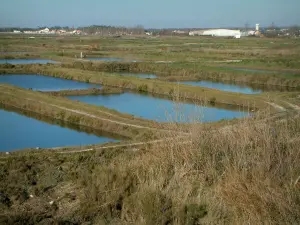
column 240, row 171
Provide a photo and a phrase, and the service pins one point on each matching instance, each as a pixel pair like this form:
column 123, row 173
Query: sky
column 149, row 13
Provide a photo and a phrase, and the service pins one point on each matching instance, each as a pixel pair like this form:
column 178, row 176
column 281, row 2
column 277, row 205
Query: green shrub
column 212, row 100
column 61, row 115
column 74, row 119
column 143, row 88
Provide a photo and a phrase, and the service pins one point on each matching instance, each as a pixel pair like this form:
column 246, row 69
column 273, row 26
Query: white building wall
column 217, row 33
column 222, row 33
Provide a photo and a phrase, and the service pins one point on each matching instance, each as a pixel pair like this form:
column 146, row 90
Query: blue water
column 26, row 61
column 44, row 83
column 140, row 75
column 18, row 132
column 106, row 59
column 160, row 110
column 224, row 87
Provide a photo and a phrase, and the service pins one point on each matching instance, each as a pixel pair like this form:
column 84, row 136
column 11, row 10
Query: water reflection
column 20, row 129
column 44, row 83
column 26, row 61
column 161, row 110
column 224, row 87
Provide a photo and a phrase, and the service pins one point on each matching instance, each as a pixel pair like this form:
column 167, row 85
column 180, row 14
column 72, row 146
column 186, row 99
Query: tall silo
column 257, row 27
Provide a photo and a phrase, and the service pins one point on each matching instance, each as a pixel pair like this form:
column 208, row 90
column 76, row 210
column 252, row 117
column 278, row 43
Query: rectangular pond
column 44, row 83
column 224, row 87
column 26, row 61
column 18, row 132
column 161, row 110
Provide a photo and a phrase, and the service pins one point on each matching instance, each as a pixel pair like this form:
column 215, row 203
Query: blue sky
column 149, row 13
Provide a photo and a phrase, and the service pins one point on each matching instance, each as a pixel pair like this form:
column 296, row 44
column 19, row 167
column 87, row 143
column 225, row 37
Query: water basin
column 26, row 61
column 161, row 110
column 18, row 132
column 224, row 87
column 44, row 83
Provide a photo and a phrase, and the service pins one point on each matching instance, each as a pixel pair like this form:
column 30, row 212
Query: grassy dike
column 90, row 91
column 199, row 94
column 192, row 71
column 78, row 113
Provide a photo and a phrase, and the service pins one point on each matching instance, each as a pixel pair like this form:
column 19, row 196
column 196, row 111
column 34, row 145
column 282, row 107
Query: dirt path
column 123, row 145
column 184, row 140
column 97, row 117
column 99, row 110
column 114, row 121
column 101, row 118
column 280, row 108
column 296, row 107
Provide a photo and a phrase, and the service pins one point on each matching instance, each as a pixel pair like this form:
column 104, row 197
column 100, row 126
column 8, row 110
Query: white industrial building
column 217, row 33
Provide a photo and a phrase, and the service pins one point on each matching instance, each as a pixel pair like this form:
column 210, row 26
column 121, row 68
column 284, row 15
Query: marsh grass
column 243, row 174
column 189, row 70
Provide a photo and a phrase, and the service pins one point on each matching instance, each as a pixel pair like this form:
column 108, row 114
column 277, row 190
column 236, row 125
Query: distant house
column 16, row 31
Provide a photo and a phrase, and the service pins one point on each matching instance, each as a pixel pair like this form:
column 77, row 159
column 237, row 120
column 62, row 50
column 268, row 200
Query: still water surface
column 18, row 132
column 44, row 83
column 26, row 61
column 224, row 87
column 161, row 110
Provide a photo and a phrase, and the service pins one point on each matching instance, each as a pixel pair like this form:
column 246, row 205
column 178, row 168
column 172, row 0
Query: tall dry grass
column 247, row 173
column 242, row 174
